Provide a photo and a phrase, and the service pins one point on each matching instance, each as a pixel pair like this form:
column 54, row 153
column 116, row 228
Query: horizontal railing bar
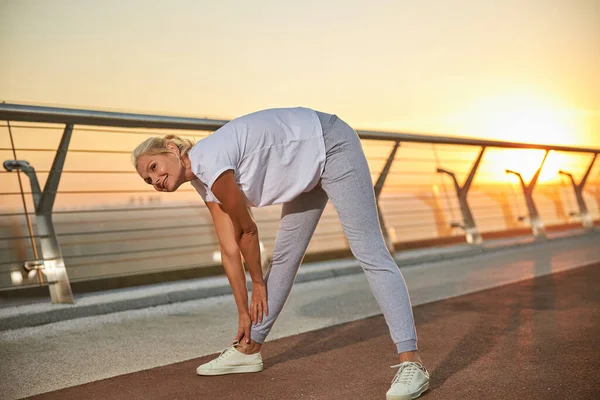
column 101, row 242
column 125, row 252
column 29, row 113
column 149, row 270
column 95, row 192
column 433, row 160
column 114, row 231
column 79, row 172
column 92, row 264
column 73, row 150
column 407, row 137
column 101, row 210
column 390, row 212
column 80, row 128
column 419, row 225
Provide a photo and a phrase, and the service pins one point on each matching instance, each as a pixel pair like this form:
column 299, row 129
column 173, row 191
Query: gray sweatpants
column 346, row 181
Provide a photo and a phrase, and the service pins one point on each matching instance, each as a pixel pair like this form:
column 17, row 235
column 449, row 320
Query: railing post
column 378, row 188
column 537, row 225
column 586, row 218
column 471, row 232
column 53, row 262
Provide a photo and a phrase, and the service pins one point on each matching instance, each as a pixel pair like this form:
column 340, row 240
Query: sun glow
column 524, row 118
column 527, row 118
column 526, row 163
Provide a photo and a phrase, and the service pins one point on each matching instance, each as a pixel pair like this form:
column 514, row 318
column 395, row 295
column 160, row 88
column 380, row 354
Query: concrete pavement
column 67, row 353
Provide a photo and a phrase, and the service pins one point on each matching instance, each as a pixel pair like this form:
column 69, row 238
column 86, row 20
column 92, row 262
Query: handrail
column 42, row 114
column 26, row 113
column 462, row 141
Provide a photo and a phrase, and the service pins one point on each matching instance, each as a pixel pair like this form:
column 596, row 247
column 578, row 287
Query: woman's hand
column 258, row 306
column 244, row 325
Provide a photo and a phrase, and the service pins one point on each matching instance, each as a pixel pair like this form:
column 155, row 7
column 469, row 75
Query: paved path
column 537, row 339
column 54, row 356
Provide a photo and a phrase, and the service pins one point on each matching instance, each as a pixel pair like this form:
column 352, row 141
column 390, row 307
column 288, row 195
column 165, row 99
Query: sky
column 512, row 70
column 520, row 70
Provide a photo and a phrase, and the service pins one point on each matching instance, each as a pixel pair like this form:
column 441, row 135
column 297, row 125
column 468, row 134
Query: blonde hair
column 158, row 145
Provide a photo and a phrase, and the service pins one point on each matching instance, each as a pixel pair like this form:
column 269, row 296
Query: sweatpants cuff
column 258, row 338
column 407, row 345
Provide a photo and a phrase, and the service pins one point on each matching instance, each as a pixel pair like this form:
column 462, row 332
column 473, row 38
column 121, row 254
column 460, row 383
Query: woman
column 301, row 158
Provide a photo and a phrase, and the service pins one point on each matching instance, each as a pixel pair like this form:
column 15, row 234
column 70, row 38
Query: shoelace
column 406, row 372
column 225, row 351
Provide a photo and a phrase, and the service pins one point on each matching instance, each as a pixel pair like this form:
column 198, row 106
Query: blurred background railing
column 113, row 230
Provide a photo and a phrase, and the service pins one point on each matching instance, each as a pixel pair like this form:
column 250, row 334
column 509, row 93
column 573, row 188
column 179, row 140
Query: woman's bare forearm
column 250, row 247
column 237, row 280
column 245, row 232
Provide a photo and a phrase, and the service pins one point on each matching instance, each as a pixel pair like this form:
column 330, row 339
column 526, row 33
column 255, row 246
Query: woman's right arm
column 232, row 263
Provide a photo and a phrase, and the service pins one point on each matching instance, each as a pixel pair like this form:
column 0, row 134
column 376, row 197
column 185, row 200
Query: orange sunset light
column 524, row 117
column 528, row 118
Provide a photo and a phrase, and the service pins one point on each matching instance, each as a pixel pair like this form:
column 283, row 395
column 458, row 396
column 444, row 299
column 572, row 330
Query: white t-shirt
column 275, row 154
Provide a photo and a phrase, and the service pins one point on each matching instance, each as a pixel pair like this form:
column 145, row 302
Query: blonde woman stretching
column 301, row 158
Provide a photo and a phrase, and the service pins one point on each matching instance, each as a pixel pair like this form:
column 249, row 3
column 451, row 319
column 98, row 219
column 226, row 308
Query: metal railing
column 105, row 222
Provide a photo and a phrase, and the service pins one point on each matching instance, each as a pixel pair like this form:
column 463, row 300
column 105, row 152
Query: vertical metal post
column 378, row 188
column 54, row 265
column 537, row 225
column 34, row 249
column 472, row 233
column 586, row 218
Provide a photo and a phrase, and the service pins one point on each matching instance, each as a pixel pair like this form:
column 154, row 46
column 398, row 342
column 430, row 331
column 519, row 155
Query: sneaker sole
column 421, row 390
column 242, row 369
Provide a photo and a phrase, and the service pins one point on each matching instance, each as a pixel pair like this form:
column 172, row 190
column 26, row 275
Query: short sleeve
column 216, row 158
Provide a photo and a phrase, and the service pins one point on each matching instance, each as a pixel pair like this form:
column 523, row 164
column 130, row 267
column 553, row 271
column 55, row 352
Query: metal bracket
column 586, row 218
column 537, row 224
column 378, row 188
column 33, row 265
column 53, row 262
column 472, row 233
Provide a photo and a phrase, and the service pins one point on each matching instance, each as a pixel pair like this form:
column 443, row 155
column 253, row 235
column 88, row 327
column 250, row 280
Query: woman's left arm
column 233, row 202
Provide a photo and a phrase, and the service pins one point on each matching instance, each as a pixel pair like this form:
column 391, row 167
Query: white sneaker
column 232, row 361
column 411, row 380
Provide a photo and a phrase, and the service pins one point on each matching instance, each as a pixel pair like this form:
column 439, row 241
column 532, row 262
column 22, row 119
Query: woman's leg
column 299, row 219
column 347, row 181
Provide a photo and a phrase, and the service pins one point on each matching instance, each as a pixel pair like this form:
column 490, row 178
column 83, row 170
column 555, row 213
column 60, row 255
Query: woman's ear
column 172, row 146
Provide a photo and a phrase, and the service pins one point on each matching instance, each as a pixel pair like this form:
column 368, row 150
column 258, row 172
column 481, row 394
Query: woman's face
column 163, row 171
